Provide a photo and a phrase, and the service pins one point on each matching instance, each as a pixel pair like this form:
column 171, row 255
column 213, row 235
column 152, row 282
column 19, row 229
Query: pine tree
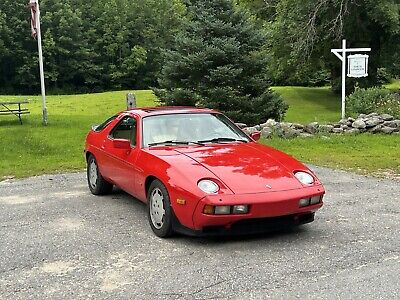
column 218, row 62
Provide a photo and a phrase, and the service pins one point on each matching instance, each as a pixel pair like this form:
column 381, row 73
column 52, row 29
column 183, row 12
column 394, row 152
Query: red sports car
column 199, row 173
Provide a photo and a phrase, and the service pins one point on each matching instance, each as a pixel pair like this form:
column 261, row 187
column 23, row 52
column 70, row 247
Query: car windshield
column 192, row 128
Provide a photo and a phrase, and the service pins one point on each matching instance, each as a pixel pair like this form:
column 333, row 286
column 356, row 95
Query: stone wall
column 373, row 123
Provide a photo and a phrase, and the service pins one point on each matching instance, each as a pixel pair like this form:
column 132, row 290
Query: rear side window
column 104, row 124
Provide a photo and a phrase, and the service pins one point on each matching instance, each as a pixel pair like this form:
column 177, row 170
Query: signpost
column 358, row 67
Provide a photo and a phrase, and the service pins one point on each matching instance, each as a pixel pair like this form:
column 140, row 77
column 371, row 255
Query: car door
column 120, row 163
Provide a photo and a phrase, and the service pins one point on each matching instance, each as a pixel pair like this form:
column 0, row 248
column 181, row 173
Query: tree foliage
column 113, row 44
column 88, row 45
column 217, row 62
column 302, row 32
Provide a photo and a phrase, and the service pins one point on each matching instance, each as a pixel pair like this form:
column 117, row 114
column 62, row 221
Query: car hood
column 247, row 168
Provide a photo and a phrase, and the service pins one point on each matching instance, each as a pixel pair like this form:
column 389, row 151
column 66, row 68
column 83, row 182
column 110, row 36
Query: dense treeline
column 112, row 44
column 302, row 33
column 88, row 45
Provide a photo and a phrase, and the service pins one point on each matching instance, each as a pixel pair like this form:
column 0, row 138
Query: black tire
column 162, row 228
column 97, row 184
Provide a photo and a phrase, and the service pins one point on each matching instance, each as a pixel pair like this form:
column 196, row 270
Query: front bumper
column 248, row 226
column 262, row 206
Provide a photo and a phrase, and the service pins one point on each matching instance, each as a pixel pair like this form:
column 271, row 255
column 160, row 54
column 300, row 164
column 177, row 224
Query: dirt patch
column 58, row 267
column 67, row 224
column 70, row 194
column 15, row 200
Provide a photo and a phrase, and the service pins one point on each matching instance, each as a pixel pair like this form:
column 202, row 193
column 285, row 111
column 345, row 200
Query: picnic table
column 10, row 108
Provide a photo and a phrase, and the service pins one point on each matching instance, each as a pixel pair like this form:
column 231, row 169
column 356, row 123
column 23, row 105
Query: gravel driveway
column 57, row 241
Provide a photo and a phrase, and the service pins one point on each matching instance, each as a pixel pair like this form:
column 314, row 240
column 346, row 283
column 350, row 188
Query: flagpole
column 43, row 87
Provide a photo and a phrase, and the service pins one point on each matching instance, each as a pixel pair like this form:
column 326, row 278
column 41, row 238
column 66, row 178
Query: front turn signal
column 208, row 209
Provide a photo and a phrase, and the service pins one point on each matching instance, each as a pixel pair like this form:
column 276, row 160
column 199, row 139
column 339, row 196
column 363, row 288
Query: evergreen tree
column 218, row 62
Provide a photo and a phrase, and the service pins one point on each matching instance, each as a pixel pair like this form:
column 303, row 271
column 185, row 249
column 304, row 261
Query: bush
column 380, row 100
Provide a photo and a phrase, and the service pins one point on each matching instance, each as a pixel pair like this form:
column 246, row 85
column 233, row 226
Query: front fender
column 180, row 175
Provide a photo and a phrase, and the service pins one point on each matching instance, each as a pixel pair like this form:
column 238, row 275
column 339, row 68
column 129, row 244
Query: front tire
column 159, row 209
column 97, row 184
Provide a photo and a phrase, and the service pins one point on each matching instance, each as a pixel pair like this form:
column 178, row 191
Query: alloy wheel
column 93, row 174
column 157, row 211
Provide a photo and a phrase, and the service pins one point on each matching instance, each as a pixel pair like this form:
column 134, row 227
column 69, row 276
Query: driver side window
column 125, row 130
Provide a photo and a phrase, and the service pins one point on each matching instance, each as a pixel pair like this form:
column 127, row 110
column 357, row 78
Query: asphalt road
column 57, row 241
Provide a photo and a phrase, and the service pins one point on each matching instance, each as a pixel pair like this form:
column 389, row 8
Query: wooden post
column 130, row 101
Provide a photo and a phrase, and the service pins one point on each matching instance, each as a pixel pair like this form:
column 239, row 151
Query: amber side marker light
column 181, row 201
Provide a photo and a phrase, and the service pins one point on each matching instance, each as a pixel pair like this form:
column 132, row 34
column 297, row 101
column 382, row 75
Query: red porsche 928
column 199, row 173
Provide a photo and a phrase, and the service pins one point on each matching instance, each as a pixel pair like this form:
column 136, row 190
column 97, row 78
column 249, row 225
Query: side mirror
column 255, row 135
column 122, row 144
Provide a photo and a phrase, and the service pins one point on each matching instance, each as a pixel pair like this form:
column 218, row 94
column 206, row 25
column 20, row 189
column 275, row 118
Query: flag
column 34, row 17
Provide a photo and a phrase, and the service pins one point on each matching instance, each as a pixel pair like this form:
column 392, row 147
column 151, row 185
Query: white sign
column 357, row 65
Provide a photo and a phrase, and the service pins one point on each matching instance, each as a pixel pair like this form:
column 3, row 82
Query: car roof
column 164, row 110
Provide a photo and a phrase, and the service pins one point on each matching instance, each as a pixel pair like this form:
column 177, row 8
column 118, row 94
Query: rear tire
column 97, row 184
column 159, row 210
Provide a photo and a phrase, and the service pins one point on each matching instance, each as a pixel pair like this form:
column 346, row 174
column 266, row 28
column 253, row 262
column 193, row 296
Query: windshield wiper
column 223, row 139
column 175, row 143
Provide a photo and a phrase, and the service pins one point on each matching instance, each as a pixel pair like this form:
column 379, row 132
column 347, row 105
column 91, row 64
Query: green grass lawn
column 394, row 85
column 32, row 149
column 307, row 104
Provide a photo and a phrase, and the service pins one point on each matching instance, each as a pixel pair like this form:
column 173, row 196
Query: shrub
column 380, row 100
